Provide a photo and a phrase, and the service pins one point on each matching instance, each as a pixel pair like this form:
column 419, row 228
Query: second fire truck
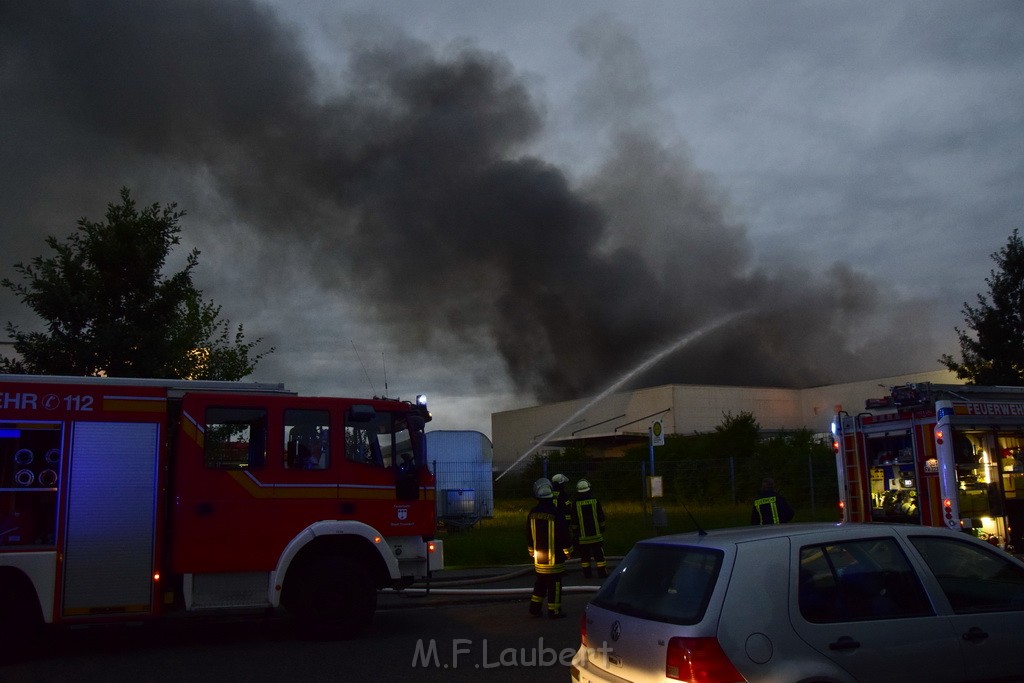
column 125, row 499
column 939, row 455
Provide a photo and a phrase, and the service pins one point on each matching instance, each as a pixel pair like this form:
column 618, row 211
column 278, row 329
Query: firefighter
column 558, row 483
column 562, row 501
column 305, row 448
column 770, row 507
column 588, row 520
column 550, row 546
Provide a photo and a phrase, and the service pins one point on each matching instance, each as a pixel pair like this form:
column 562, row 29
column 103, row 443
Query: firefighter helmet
column 583, row 486
column 542, row 488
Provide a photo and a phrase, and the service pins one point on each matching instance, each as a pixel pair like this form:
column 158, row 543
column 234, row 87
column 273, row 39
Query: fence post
column 643, row 484
column 643, row 489
column 810, row 473
column 732, row 477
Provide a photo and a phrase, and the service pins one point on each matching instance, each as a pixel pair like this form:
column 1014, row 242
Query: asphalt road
column 415, row 636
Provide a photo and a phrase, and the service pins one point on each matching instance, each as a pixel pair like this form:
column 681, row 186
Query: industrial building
column 609, row 426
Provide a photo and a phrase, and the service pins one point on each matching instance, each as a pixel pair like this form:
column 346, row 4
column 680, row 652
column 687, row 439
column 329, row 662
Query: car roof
column 731, row 536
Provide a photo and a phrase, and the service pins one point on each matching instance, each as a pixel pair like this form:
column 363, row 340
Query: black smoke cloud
column 415, row 186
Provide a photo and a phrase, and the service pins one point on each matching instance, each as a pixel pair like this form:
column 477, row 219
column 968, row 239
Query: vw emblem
column 616, row 630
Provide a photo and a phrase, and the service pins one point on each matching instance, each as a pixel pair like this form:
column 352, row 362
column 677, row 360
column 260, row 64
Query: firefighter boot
column 587, row 572
column 535, row 604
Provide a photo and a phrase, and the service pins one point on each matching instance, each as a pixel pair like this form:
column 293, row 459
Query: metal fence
column 808, row 481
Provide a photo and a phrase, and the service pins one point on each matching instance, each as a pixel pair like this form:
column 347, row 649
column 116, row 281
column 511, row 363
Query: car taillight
column 699, row 660
column 583, row 629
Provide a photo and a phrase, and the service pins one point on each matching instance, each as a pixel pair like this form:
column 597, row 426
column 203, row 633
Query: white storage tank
column 462, row 462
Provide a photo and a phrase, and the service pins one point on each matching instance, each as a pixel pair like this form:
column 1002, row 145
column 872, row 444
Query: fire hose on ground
column 453, row 586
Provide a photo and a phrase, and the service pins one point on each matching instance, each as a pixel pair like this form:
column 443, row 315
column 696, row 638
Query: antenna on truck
column 365, row 373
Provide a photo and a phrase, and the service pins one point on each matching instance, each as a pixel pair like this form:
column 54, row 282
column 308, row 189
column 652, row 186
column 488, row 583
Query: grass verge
column 501, row 540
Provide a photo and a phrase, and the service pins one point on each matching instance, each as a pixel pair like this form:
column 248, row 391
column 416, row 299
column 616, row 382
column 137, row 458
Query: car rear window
column 666, row 583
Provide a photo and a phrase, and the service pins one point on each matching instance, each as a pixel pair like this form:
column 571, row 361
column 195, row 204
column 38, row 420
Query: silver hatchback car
column 808, row 602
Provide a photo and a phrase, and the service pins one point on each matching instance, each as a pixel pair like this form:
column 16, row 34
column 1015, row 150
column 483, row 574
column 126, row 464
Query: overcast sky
column 506, row 203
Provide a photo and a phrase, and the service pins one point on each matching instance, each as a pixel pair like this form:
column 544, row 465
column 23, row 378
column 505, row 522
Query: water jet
column 645, row 365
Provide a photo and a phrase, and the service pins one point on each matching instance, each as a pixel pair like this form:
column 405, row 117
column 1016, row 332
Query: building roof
column 624, row 417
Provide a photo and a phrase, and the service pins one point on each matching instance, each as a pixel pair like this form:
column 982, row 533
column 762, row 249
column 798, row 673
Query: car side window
column 859, row 580
column 973, row 578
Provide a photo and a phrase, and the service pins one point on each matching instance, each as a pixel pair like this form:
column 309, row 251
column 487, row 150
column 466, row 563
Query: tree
column 994, row 354
column 738, row 435
column 109, row 309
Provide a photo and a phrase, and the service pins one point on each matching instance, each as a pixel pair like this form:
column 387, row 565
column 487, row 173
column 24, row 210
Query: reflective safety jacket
column 770, row 508
column 547, row 537
column 588, row 520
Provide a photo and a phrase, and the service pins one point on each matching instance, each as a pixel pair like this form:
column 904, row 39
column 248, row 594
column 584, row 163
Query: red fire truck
column 939, row 455
column 122, row 499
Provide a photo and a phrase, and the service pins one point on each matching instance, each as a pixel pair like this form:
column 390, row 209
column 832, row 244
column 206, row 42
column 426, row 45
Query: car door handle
column 975, row 635
column 846, row 643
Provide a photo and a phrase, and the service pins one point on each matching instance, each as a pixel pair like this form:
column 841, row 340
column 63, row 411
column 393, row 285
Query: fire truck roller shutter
column 111, row 532
column 331, row 586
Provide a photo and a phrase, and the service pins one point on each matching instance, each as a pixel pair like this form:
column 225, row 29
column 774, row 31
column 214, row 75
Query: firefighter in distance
column 550, row 545
column 769, row 506
column 588, row 530
column 563, row 502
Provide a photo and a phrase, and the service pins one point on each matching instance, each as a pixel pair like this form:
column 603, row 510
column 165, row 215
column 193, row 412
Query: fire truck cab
column 938, row 455
column 126, row 499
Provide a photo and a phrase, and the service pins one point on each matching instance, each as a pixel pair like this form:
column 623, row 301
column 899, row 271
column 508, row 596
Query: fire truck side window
column 236, row 438
column 307, row 439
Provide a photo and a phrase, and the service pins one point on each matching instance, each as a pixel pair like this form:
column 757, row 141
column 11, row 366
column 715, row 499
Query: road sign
column 657, row 433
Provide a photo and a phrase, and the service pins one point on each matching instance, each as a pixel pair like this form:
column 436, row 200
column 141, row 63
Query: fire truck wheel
column 334, row 598
column 20, row 616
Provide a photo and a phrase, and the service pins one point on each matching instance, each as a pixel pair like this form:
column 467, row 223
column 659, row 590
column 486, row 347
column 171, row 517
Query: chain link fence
column 808, row 481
